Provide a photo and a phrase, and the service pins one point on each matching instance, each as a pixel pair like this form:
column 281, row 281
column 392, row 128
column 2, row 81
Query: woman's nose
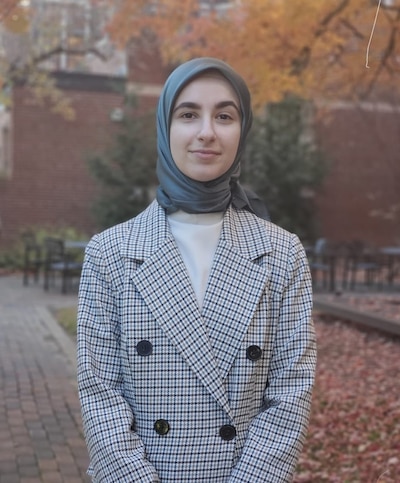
column 206, row 130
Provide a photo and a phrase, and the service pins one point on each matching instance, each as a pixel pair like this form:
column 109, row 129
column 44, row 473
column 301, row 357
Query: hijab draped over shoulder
column 179, row 192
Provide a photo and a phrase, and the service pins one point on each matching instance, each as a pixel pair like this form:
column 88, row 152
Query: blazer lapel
column 164, row 284
column 236, row 285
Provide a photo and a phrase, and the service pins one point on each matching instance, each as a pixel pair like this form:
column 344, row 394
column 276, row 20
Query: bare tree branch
column 383, row 64
column 331, row 15
column 352, row 29
column 62, row 50
column 300, row 63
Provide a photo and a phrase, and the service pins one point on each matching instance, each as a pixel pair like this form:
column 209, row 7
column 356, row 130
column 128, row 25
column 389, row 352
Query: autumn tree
column 311, row 48
column 284, row 165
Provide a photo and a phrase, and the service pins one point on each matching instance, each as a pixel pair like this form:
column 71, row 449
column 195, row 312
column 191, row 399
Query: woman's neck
column 196, row 218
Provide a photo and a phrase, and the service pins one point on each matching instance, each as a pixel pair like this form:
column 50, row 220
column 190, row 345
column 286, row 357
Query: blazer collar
column 245, row 233
column 148, row 232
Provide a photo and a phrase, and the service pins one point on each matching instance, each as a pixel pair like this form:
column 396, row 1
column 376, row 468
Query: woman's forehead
column 209, row 77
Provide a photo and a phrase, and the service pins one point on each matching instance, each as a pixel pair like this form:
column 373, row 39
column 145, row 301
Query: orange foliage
column 14, row 17
column 311, row 47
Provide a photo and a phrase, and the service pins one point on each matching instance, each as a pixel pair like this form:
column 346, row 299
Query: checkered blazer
column 172, row 394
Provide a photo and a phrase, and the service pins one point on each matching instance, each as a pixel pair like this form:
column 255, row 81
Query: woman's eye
column 187, row 115
column 225, row 117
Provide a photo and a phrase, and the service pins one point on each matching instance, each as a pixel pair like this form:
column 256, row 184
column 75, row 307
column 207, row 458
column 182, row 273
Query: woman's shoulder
column 281, row 242
column 275, row 232
column 117, row 233
column 133, row 233
column 113, row 236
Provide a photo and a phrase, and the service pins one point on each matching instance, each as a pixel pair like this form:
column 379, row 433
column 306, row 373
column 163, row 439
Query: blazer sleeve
column 277, row 433
column 116, row 452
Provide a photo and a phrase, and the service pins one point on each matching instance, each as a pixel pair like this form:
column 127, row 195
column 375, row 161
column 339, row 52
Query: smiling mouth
column 205, row 153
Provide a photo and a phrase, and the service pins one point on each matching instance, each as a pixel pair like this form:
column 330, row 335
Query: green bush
column 285, row 167
column 125, row 172
column 10, row 259
column 13, row 258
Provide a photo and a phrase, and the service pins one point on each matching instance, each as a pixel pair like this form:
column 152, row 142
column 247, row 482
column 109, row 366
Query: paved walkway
column 40, row 428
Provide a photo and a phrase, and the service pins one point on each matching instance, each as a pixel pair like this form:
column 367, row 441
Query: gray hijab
column 179, row 192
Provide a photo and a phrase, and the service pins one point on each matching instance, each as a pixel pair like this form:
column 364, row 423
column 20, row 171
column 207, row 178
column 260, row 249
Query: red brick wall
column 364, row 151
column 50, row 183
column 145, row 64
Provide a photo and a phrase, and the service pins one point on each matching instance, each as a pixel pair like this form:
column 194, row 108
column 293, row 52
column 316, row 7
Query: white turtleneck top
column 197, row 238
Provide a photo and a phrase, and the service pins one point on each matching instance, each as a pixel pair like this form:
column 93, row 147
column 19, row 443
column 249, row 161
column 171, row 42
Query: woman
column 196, row 349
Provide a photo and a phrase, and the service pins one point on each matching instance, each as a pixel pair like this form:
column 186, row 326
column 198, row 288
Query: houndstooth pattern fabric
column 147, row 354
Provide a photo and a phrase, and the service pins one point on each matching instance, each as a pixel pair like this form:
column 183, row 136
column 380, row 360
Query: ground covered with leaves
column 354, row 433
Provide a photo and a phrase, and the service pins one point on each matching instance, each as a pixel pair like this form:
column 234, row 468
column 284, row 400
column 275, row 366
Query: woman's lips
column 205, row 153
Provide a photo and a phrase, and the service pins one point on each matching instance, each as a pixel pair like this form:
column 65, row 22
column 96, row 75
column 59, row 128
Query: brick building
column 48, row 183
column 360, row 199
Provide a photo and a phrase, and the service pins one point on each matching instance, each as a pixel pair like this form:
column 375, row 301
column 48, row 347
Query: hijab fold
column 176, row 190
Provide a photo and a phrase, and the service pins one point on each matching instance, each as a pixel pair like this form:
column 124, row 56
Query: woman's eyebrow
column 187, row 105
column 194, row 105
column 223, row 104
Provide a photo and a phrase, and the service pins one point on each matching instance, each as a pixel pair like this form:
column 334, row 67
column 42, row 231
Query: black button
column 254, row 353
column 161, row 426
column 227, row 432
column 144, row 348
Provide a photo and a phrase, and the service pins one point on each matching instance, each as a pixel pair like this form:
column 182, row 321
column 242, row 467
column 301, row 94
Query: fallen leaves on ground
column 354, row 432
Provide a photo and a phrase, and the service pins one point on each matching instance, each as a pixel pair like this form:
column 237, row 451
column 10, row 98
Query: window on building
column 384, row 3
column 218, row 6
column 77, row 28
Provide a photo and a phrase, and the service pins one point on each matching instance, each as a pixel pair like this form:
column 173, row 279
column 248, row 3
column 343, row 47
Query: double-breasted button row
column 227, row 431
column 145, row 348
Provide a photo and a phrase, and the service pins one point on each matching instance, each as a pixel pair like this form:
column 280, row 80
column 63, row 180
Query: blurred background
column 80, row 79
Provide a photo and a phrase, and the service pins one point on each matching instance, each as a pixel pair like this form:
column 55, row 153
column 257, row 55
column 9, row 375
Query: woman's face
column 205, row 128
